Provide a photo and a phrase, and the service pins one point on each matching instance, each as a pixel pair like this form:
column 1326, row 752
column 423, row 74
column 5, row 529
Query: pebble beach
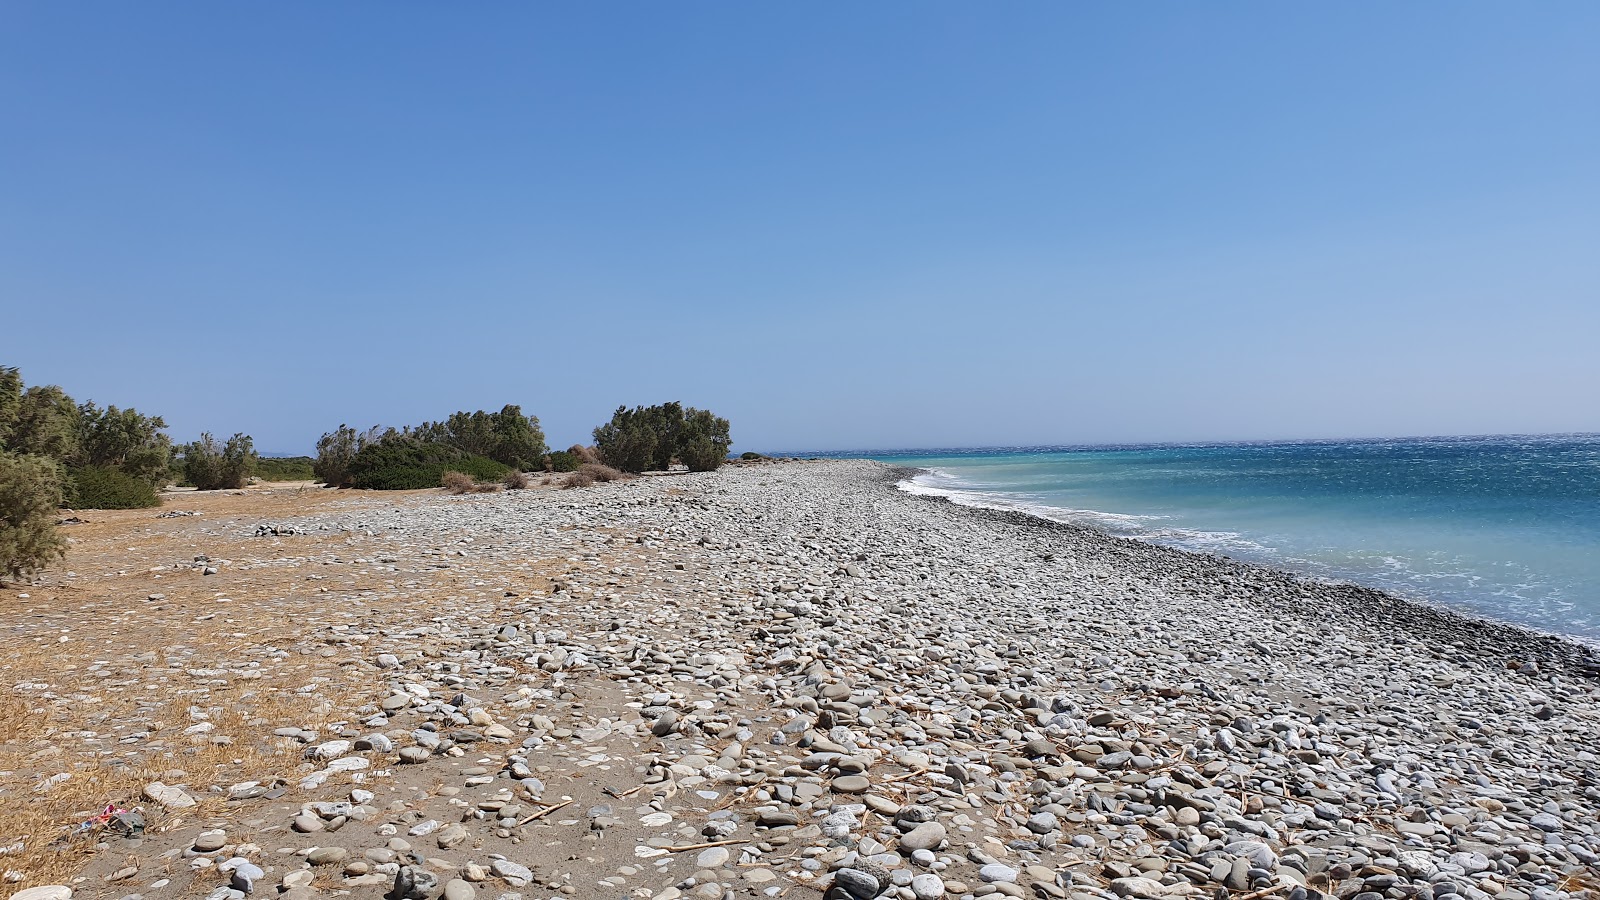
column 793, row 679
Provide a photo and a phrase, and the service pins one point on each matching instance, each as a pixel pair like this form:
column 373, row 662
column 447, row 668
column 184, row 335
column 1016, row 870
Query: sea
column 1505, row 527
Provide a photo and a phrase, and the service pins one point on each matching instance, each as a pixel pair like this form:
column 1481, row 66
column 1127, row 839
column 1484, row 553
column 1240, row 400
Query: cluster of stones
column 794, row 676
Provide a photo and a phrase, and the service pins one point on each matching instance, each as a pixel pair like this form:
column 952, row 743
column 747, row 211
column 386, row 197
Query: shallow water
column 1504, row 527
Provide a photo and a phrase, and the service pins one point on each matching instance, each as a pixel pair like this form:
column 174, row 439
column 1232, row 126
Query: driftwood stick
column 545, row 812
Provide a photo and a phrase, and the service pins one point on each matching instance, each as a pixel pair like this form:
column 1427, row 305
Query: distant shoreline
column 1288, row 592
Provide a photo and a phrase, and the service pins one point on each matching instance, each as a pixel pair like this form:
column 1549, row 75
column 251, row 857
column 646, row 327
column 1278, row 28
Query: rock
column 927, row 886
column 413, row 883
column 244, row 875
column 711, row 857
column 998, row 873
column 452, row 837
column 856, row 884
column 210, row 841
column 851, row 784
column 326, row 856
column 44, row 892
column 927, row 836
column 515, row 874
column 168, row 796
column 456, row 889
column 664, row 723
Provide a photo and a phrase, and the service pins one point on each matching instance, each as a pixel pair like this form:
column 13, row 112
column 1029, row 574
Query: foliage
column 703, row 441
column 336, row 450
column 562, row 461
column 285, row 468
column 30, row 494
column 650, row 438
column 457, row 482
column 210, row 466
column 507, row 437
column 102, row 487
column 398, row 461
column 45, row 424
column 125, row 440
column 601, row 472
column 53, row 450
column 750, row 455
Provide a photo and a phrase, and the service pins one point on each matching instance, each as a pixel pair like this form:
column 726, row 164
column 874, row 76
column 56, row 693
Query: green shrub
column 125, row 440
column 646, row 438
column 507, row 437
column 285, row 468
column 336, row 450
column 562, row 461
column 750, row 455
column 401, row 462
column 210, row 466
column 102, row 487
column 30, row 494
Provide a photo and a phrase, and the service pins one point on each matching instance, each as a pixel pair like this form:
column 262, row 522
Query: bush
column 577, row 480
column 750, row 455
column 336, row 450
column 562, row 461
column 457, row 482
column 211, row 467
column 286, row 468
column 508, row 437
column 703, row 441
column 400, row 462
column 646, row 438
column 30, row 494
column 102, row 487
column 599, row 472
column 516, row 481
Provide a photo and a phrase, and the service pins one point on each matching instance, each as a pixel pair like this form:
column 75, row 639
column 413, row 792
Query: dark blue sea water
column 1505, row 527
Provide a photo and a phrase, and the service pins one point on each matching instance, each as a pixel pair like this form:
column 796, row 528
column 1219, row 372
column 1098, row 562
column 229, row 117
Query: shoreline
column 782, row 679
column 1575, row 654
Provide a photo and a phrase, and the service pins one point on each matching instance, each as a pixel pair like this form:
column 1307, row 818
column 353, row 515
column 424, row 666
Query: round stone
column 851, row 784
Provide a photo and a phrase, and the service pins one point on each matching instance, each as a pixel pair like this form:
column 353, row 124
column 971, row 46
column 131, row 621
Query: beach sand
column 783, row 679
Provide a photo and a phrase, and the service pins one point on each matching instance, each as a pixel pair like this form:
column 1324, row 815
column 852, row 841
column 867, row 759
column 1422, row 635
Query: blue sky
column 864, row 225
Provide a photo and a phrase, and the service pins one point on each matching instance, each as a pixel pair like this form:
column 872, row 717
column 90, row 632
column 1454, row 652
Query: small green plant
column 102, row 487
column 30, row 494
column 562, row 461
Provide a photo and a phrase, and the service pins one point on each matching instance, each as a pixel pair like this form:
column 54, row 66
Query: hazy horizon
column 902, row 226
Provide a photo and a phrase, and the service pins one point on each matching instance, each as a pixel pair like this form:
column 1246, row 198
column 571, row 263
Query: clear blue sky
column 840, row 225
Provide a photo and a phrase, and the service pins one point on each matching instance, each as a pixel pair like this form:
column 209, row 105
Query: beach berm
column 779, row 679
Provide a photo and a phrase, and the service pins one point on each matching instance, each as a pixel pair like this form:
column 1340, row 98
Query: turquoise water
column 1504, row 527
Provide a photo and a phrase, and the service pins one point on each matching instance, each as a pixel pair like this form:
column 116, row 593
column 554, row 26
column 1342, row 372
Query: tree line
column 57, row 453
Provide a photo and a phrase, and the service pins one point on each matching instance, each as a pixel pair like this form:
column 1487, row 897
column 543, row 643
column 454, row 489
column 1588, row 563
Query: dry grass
column 87, row 663
column 516, row 481
column 601, row 473
column 588, row 455
column 577, row 479
column 457, row 482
